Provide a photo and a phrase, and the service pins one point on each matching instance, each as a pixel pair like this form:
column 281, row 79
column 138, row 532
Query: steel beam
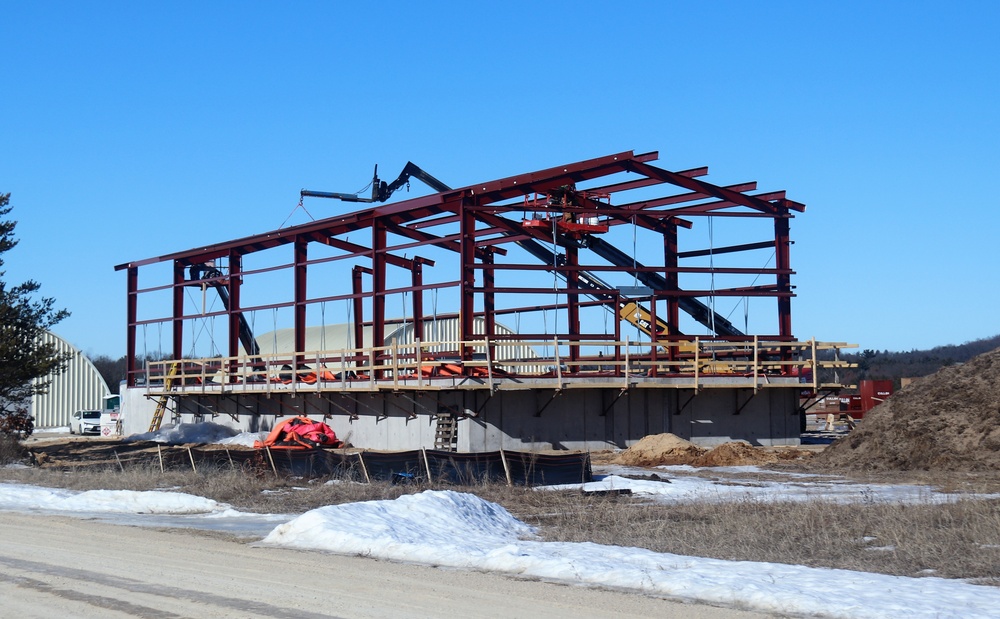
column 177, row 346
column 131, row 316
column 301, row 248
column 703, row 187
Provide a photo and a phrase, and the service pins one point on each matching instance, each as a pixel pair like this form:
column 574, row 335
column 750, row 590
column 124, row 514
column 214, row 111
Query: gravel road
column 68, row 567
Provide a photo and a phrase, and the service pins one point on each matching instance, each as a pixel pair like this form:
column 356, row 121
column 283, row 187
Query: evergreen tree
column 24, row 318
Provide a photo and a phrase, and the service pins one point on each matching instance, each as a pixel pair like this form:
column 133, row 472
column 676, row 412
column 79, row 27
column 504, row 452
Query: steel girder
column 477, row 227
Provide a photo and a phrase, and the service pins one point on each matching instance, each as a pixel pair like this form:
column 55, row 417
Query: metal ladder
column 161, row 405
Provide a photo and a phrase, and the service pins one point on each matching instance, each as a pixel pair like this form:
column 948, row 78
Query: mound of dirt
column 659, row 449
column 735, row 453
column 948, row 421
column 667, row 449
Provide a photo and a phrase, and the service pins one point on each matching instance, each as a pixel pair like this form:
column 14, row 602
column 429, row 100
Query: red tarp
column 300, row 433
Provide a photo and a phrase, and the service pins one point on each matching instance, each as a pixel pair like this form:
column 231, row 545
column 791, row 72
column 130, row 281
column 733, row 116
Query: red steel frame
column 484, row 226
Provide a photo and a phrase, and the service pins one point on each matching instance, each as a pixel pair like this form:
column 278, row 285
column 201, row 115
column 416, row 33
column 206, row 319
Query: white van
column 85, row 422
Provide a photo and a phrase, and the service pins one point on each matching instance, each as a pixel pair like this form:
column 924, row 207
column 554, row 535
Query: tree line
column 895, row 366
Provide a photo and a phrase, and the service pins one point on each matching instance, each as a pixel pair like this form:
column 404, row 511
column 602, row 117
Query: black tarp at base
column 516, row 467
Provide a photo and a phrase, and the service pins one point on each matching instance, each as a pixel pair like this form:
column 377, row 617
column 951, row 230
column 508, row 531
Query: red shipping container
column 874, row 392
column 851, row 404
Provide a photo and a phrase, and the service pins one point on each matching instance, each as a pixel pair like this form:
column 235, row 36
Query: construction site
column 579, row 307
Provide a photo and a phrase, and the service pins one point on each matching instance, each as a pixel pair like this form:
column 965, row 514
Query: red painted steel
column 481, row 222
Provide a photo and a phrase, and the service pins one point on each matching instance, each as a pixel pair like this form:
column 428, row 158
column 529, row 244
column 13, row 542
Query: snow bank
column 688, row 489
column 24, row 497
column 204, row 432
column 461, row 530
column 435, row 526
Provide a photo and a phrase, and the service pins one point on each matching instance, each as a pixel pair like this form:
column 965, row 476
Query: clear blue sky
column 134, row 129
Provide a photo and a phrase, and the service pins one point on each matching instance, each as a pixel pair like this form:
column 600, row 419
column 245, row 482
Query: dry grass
column 253, row 493
column 11, row 449
column 960, row 539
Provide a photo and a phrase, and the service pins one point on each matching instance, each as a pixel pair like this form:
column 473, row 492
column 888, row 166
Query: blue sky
column 131, row 130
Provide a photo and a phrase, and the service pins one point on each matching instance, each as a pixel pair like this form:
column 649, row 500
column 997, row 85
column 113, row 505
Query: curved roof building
column 79, row 387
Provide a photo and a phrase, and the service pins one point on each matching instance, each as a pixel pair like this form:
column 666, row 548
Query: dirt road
column 67, row 567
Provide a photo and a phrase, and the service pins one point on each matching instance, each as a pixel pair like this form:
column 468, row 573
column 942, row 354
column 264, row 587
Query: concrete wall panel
column 577, row 419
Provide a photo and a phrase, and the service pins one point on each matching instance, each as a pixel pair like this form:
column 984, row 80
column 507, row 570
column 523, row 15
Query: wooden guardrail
column 491, row 364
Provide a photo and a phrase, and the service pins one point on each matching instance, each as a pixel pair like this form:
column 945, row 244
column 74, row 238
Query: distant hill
column 894, row 366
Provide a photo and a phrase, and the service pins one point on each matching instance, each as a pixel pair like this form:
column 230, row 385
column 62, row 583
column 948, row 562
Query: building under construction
column 578, row 307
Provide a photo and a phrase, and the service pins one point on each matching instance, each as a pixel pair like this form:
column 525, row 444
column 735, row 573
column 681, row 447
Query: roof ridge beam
column 704, row 187
column 646, row 182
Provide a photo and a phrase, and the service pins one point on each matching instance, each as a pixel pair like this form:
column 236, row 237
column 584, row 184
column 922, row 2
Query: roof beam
column 703, row 187
column 543, row 180
column 360, row 250
column 684, row 197
column 646, row 182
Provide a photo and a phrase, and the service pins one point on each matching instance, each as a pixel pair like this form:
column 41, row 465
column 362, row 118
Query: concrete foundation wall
column 575, row 419
column 137, row 411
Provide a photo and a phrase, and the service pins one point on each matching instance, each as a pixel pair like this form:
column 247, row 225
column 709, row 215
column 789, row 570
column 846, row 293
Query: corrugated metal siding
column 329, row 338
column 340, row 337
column 446, row 331
column 80, row 387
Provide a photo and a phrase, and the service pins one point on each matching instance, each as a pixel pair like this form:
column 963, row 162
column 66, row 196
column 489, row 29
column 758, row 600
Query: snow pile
column 688, row 489
column 462, row 530
column 204, row 432
column 52, row 430
column 22, row 497
column 399, row 529
column 243, row 439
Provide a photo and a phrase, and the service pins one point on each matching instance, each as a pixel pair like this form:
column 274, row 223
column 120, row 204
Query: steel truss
column 550, row 221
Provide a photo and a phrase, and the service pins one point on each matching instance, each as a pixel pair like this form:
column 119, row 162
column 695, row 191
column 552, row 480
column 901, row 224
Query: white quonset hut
column 79, row 387
column 397, row 332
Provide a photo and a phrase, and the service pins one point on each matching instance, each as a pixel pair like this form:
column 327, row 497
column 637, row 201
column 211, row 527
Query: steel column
column 782, row 245
column 235, row 314
column 357, row 287
column 572, row 301
column 417, row 279
column 379, row 237
column 177, row 346
column 670, row 261
column 468, row 277
column 301, row 291
column 131, row 313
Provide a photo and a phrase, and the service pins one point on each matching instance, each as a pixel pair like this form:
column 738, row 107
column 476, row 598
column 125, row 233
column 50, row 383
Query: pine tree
column 24, row 318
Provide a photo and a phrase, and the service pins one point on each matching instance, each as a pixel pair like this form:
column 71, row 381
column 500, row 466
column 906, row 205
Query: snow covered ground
column 735, row 483
column 420, row 528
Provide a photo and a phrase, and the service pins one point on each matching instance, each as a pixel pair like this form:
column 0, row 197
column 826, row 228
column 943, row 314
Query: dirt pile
column 948, row 421
column 660, row 449
column 735, row 453
column 668, row 449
